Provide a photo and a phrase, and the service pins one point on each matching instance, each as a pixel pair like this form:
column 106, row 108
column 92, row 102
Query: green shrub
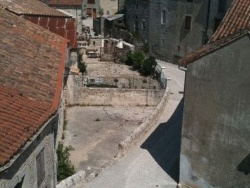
column 148, row 66
column 64, row 166
column 138, row 58
column 129, row 59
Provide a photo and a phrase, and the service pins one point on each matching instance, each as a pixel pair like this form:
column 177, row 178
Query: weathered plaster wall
column 24, row 166
column 215, row 135
column 188, row 40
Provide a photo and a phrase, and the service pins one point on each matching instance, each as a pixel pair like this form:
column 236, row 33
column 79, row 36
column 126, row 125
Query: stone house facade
column 182, row 26
column 31, row 77
column 137, row 18
column 215, row 132
column 98, row 8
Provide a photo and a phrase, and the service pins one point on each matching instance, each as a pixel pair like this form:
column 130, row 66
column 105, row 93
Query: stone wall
column 23, row 167
column 215, row 132
column 114, row 97
column 172, row 39
column 137, row 18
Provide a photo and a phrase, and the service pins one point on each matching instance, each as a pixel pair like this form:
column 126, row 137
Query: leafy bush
column 148, row 66
column 138, row 58
column 129, row 59
column 64, row 167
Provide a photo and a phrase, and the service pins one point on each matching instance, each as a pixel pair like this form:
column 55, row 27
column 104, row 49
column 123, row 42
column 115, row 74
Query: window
column 40, row 167
column 91, row 1
column 136, row 25
column 190, row 1
column 107, row 12
column 188, row 20
column 137, row 6
column 163, row 17
column 143, row 24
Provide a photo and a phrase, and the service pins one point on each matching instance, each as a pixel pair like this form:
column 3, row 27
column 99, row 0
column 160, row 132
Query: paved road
column 153, row 162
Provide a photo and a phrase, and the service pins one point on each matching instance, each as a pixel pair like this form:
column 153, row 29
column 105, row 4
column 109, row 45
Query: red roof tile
column 236, row 19
column 65, row 2
column 31, row 72
column 31, row 7
column 235, row 24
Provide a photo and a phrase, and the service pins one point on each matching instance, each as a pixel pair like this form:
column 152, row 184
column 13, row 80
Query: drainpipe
column 205, row 35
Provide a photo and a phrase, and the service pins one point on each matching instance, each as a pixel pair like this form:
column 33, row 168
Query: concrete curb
column 72, row 180
column 145, row 126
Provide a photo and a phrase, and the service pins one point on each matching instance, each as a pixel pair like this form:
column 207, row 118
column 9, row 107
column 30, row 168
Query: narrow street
column 154, row 161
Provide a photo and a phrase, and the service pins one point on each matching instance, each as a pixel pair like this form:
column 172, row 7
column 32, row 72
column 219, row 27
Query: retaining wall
column 114, row 97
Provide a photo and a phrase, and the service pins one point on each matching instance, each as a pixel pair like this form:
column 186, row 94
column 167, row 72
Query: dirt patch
column 95, row 132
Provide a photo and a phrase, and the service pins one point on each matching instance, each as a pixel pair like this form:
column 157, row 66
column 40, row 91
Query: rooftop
column 30, row 7
column 31, row 72
column 65, row 2
column 235, row 24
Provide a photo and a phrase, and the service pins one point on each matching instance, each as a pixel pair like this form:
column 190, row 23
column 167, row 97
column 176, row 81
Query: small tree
column 148, row 66
column 82, row 67
column 64, row 167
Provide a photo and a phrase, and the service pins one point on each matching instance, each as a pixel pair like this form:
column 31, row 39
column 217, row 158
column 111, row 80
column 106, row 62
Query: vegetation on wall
column 64, row 166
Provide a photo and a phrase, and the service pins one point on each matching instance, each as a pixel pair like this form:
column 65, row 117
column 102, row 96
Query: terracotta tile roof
column 235, row 24
column 65, row 2
column 236, row 19
column 31, row 72
column 31, row 7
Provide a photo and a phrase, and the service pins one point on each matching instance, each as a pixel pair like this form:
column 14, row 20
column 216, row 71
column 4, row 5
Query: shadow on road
column 164, row 143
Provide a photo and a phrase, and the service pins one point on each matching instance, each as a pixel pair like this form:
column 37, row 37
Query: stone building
column 71, row 7
column 42, row 15
column 31, row 77
column 98, row 8
column 215, row 149
column 137, row 18
column 179, row 27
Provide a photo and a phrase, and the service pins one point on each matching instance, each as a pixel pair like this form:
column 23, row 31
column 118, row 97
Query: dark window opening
column 40, row 167
column 190, row 1
column 188, row 20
